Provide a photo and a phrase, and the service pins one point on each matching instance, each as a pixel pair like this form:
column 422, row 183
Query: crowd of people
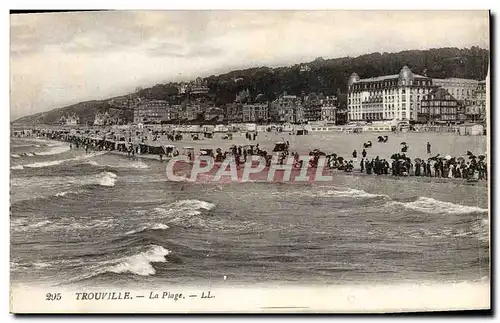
column 436, row 166
column 470, row 167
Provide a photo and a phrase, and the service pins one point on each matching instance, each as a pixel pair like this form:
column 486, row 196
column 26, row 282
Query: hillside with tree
column 327, row 76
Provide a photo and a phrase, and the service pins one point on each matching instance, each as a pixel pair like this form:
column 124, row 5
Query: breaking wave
column 41, row 265
column 350, row 192
column 17, row 167
column 482, row 229
column 193, row 214
column 140, row 264
column 340, row 193
column 139, row 165
column 93, row 163
column 136, row 165
column 186, row 207
column 47, row 163
column 107, row 179
column 15, row 155
column 60, row 194
column 58, row 149
column 432, row 206
column 59, row 161
column 22, row 225
column 156, row 226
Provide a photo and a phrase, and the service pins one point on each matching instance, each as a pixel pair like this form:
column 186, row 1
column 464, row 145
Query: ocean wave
column 139, row 165
column 196, row 204
column 60, row 194
column 93, row 163
column 17, row 167
column 350, row 192
column 58, row 149
column 24, row 145
column 15, row 155
column 185, row 207
column 140, row 264
column 135, row 165
column 22, row 225
column 40, row 140
column 40, row 224
column 17, row 222
column 87, row 225
column 432, row 206
column 155, row 226
column 14, row 265
column 107, row 179
column 60, row 161
column 482, row 229
column 41, row 265
column 192, row 214
column 477, row 228
column 47, row 163
column 322, row 191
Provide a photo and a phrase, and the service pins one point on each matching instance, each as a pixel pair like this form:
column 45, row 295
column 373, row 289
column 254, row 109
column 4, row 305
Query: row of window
column 439, row 110
column 439, row 103
column 361, row 116
column 393, row 83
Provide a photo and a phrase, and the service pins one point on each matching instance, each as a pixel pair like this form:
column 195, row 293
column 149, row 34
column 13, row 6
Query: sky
column 57, row 59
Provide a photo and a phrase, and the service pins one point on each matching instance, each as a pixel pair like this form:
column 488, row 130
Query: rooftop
column 387, row 77
column 455, row 79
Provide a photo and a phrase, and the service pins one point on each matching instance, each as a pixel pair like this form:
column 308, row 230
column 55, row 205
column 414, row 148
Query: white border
column 151, row 4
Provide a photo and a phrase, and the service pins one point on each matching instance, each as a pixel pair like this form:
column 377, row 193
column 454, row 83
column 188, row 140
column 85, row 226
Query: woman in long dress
column 450, row 172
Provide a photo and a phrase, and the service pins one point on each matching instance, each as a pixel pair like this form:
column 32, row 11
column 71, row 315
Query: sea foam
column 60, row 161
column 140, row 264
column 149, row 226
column 61, row 194
column 186, row 207
column 432, row 206
column 58, row 149
column 350, row 192
column 107, row 179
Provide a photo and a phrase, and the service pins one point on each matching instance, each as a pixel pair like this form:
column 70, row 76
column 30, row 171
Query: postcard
column 249, row 161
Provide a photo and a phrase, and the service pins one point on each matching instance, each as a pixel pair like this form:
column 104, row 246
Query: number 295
column 53, row 297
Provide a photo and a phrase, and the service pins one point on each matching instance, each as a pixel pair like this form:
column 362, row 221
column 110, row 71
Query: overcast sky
column 63, row 58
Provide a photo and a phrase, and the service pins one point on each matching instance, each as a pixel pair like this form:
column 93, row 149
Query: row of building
column 412, row 97
column 286, row 108
column 405, row 96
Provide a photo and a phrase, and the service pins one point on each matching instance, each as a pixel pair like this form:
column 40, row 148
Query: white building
column 72, row 120
column 255, row 112
column 101, row 119
column 461, row 89
column 386, row 97
column 329, row 109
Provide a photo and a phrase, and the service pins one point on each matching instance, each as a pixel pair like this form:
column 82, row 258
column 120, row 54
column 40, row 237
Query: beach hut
column 469, row 129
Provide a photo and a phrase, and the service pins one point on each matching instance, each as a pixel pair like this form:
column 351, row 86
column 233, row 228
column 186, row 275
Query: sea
column 80, row 219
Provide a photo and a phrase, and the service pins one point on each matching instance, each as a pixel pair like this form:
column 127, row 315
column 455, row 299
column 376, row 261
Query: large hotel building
column 390, row 97
column 461, row 89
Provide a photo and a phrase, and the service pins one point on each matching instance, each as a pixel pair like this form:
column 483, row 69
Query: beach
column 103, row 218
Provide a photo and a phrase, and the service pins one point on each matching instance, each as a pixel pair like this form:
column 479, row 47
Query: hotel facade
column 153, row 111
column 461, row 89
column 439, row 106
column 389, row 97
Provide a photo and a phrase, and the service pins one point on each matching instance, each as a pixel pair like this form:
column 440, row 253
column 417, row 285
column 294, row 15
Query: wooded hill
column 327, row 76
